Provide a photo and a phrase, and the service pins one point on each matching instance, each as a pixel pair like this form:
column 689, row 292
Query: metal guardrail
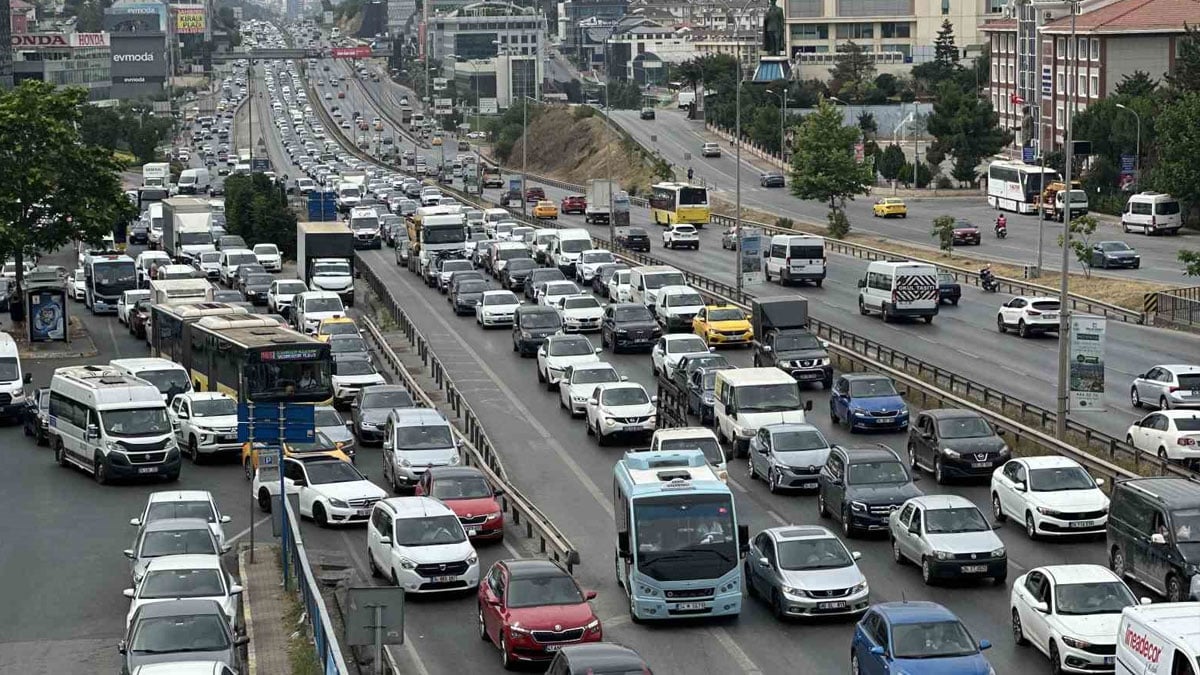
column 1179, row 307
column 325, row 641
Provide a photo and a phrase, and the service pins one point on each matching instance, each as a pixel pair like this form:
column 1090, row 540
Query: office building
column 62, row 59
column 641, row 52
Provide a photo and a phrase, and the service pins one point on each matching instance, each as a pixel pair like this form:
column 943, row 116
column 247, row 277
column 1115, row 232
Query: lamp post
column 1064, row 314
column 1137, row 156
column 741, row 76
column 782, row 115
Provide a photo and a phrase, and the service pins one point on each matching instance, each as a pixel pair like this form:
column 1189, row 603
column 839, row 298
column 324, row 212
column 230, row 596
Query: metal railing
column 324, row 635
column 1179, row 307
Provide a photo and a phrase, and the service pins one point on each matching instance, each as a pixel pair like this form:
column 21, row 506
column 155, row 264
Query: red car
column 573, row 204
column 534, row 195
column 966, row 234
column 467, row 493
column 532, row 608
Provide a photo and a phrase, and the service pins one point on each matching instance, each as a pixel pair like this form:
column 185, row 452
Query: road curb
column 251, row 661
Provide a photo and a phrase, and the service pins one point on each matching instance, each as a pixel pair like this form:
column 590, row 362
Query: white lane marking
column 745, row 665
column 239, row 535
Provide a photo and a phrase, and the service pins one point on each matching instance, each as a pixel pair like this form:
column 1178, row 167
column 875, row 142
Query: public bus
column 1016, row 186
column 106, row 277
column 256, row 360
column 165, row 332
column 678, row 539
column 672, row 203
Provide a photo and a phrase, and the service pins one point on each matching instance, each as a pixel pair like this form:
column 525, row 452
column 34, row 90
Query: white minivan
column 745, row 399
column 170, row 378
column 645, row 282
column 420, row 545
column 1161, row 639
column 231, row 259
column 899, row 289
column 12, row 381
column 415, row 439
column 795, row 257
column 1152, row 213
column 566, row 248
column 311, row 307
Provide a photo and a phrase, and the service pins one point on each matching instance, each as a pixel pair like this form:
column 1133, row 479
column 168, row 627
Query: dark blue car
column 866, row 401
column 916, row 638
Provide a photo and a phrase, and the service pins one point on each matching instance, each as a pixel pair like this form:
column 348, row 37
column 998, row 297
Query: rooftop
column 1133, row 16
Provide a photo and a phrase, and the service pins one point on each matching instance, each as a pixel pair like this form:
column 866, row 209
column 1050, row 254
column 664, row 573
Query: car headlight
column 1075, row 642
column 113, row 447
column 493, row 516
column 408, row 564
column 1004, row 450
column 608, row 422
column 593, row 626
column 858, row 411
column 795, row 592
column 998, row 553
column 858, row 506
column 18, row 395
column 823, row 362
column 858, row 588
column 472, row 559
column 516, row 629
column 338, row 503
column 454, row 459
column 405, row 463
column 943, row 555
column 1048, row 512
column 953, row 454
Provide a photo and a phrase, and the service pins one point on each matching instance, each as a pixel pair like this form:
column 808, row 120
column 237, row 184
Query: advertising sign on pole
column 488, row 106
column 190, row 19
column 440, row 83
column 47, row 315
column 750, row 242
column 443, row 106
column 1086, row 369
column 327, row 17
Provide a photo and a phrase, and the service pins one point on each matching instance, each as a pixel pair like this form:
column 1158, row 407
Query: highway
column 959, row 340
column 550, row 459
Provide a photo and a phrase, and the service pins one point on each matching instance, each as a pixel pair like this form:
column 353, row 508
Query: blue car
column 915, row 638
column 865, row 401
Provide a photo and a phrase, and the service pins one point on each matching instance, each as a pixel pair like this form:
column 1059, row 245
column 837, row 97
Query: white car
column 206, row 423
column 418, row 544
column 350, row 375
column 670, row 349
column 503, row 231
column 174, row 577
column 677, row 236
column 1167, row 386
column 77, row 285
column 676, row 306
column 496, row 308
column 550, row 294
column 184, row 504
column 948, row 538
column 1070, row 613
column 269, row 257
column 1028, row 315
column 589, row 260
column 619, row 289
column 209, row 262
column 126, row 302
column 1171, row 434
column 580, row 313
column 578, row 383
column 623, row 408
column 1050, row 495
column 281, row 292
column 559, row 351
column 331, row 491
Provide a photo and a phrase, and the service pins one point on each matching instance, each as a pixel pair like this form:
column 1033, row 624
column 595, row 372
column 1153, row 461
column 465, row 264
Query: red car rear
column 573, row 204
column 469, row 496
column 535, row 194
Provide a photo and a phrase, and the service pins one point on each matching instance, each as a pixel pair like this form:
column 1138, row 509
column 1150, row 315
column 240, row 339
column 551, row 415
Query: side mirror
column 129, row 553
column 590, row 595
column 984, row 644
column 181, row 415
column 857, row 555
column 353, row 404
column 1019, row 486
column 1158, row 539
column 877, row 650
column 1099, row 482
column 808, row 405
column 625, row 378
column 226, row 548
column 1000, row 432
column 299, row 482
column 241, row 640
column 593, row 401
column 768, row 348
column 235, row 589
column 121, row 647
column 654, row 399
column 862, row 284
column 743, row 537
column 1041, row 607
column 226, row 519
column 128, row 592
column 1144, row 601
column 136, row 522
column 498, row 492
column 623, row 543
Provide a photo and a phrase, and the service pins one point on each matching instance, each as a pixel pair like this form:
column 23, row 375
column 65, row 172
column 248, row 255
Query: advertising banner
column 750, row 244
column 154, row 12
column 440, row 83
column 489, row 106
column 48, row 315
column 190, row 19
column 141, row 56
column 327, row 17
column 351, row 52
column 1086, row 368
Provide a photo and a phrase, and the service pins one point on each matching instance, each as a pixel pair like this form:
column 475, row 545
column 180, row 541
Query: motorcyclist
column 1001, row 225
column 986, row 279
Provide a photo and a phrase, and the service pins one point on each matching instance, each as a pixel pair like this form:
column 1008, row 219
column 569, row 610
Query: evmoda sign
column 139, row 64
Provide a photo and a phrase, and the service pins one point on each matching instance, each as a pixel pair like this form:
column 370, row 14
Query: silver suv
column 805, row 571
column 949, row 537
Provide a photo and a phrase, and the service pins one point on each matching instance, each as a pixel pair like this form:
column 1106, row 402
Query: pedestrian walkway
column 265, row 604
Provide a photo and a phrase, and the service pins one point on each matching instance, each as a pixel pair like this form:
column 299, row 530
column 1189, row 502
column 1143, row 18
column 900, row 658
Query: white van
column 540, row 243
column 566, row 248
column 644, row 282
column 795, row 257
column 168, row 377
column 194, row 181
column 415, row 439
column 745, row 399
column 111, row 424
column 1162, row 639
column 676, row 306
column 230, row 260
column 896, row 289
column 12, row 381
column 1152, row 212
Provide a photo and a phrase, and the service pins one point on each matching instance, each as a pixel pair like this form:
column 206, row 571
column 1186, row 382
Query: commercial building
column 62, row 59
column 572, row 12
column 400, row 14
column 706, row 15
column 484, row 29
column 641, row 52
column 744, row 46
column 138, row 44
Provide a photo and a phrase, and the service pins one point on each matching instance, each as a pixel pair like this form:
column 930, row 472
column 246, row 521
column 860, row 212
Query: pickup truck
column 692, row 438
column 782, row 340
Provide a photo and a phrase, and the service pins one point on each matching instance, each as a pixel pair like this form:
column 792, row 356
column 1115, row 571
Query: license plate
column 552, row 648
column 148, row 469
column 1050, row 317
column 884, row 420
column 471, row 532
column 363, row 513
column 973, row 569
column 808, row 485
column 690, row 605
column 1081, row 523
column 840, row 604
column 442, row 580
column 809, row 376
column 980, row 465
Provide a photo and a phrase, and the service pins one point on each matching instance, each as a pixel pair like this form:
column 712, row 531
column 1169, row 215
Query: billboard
column 139, row 64
column 152, row 14
column 351, row 52
column 750, row 244
column 32, row 41
column 1086, row 368
column 190, row 19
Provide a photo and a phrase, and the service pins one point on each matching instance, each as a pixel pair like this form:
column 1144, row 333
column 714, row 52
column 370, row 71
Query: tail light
column 894, row 300
column 1172, row 390
column 1034, row 312
column 1185, row 441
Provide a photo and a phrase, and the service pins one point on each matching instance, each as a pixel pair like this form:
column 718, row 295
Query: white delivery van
column 1152, row 213
column 644, row 282
column 194, row 181
column 795, row 257
column 1162, row 639
column 566, row 248
column 899, row 289
column 168, row 377
column 12, row 380
column 745, row 399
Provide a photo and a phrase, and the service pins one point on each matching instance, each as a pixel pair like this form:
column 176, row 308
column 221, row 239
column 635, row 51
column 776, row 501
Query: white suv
column 420, row 545
column 578, row 383
column 559, row 351
column 205, row 423
column 681, row 235
column 621, row 408
column 1029, row 315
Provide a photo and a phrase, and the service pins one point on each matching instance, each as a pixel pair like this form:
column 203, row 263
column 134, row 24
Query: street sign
column 260, row 164
column 1027, row 155
column 322, row 206
column 267, row 422
column 750, row 244
column 351, row 52
column 1047, row 81
column 375, row 612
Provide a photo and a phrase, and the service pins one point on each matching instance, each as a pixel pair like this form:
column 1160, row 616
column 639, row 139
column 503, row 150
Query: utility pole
column 1064, row 314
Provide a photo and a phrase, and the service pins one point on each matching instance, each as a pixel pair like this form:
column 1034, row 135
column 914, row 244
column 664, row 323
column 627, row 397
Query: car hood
column 467, row 508
column 552, row 617
column 878, row 403
column 431, row 457
column 803, row 458
column 800, row 354
column 972, row 664
column 134, row 660
column 337, row 434
column 761, row 419
column 729, row 325
column 560, row 362
column 1121, row 254
column 630, row 410
column 373, row 378
column 989, row 444
column 822, row 580
column 635, row 325
column 1100, row 628
column 965, row 542
column 438, row 553
column 375, row 416
column 584, row 313
column 893, row 493
column 218, row 422
column 332, row 283
column 355, row 489
column 1070, row 500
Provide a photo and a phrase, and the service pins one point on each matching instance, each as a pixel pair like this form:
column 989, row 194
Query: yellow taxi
column 338, row 325
column 320, row 445
column 723, row 325
column 545, row 209
column 888, row 207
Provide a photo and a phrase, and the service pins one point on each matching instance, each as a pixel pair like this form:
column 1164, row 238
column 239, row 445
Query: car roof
column 605, row 655
column 862, row 454
column 412, row 416
column 180, row 496
column 1048, row 462
column 171, row 524
column 942, row 501
column 1079, row 574
column 950, row 413
column 1180, row 414
column 332, row 319
column 416, row 507
column 454, row 471
column 788, row 426
column 1036, row 298
column 191, row 561
column 592, row 365
column 205, row 395
column 796, row 532
column 914, row 611
column 1181, row 368
column 519, row 568
column 1175, row 493
column 854, row 377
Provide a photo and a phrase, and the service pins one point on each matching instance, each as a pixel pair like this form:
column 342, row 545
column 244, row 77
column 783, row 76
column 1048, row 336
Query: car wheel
column 1116, row 562
column 777, row 606
column 822, row 510
column 1175, row 592
column 319, row 515
column 1018, row 631
column 1163, row 403
column 862, row 308
column 833, row 418
column 1162, row 454
column 483, row 634
column 926, row 572
column 371, row 563
column 264, row 500
column 1022, row 329
column 847, row 528
column 1000, row 324
column 854, row 667
column 912, row 458
column 193, row 450
column 1135, row 399
column 750, row 467
column 939, row 475
column 1030, row 526
column 99, row 472
column 997, row 509
column 541, row 377
column 897, row 554
column 60, row 452
column 773, row 481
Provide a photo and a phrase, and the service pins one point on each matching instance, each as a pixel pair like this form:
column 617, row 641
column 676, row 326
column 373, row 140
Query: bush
column 1112, row 204
column 582, row 112
column 785, row 223
column 838, row 223
column 944, row 183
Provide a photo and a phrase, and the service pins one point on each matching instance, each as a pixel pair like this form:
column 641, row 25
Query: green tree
column 1137, row 85
column 764, row 128
column 1081, row 231
column 690, row 74
column 966, row 126
column 943, row 232
column 256, row 209
column 54, row 188
column 823, row 164
column 104, row 127
column 866, row 122
column 945, row 52
column 890, row 161
column 1186, row 76
column 853, row 73
column 1177, row 171
column 624, row 95
column 887, row 85
column 924, row 174
column 1191, row 262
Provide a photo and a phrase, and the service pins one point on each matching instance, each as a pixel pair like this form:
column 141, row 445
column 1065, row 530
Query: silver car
column 1167, row 387
column 171, row 536
column 949, row 537
column 329, row 423
column 805, row 570
column 788, row 456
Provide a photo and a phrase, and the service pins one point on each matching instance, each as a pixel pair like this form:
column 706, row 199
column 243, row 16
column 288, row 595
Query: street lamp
column 782, row 116
column 507, row 48
column 741, row 77
column 1137, row 157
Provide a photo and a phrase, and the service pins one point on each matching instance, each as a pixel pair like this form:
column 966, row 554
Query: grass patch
column 125, row 158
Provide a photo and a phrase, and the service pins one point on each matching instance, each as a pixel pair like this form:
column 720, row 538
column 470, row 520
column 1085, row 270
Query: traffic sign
column 267, row 422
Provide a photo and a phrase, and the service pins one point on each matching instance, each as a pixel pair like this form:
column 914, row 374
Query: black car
column 1108, row 254
column 628, row 325
column 647, row 113
column 603, row 274
column 949, row 289
column 370, row 410
column 860, row 487
column 466, row 294
column 689, row 364
column 228, row 296
column 634, row 239
column 771, row 179
column 532, row 324
column 597, row 657
column 541, row 276
column 512, row 198
column 244, row 272
column 955, row 443
column 37, row 415
column 702, row 382
column 256, row 286
column 1161, row 515
column 516, row 271
column 139, row 233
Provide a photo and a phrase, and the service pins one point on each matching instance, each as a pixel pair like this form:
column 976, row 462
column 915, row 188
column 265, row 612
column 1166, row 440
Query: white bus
column 1016, row 186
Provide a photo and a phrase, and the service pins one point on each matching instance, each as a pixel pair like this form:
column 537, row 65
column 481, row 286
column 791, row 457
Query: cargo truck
column 782, row 339
column 350, row 189
column 325, row 258
column 187, row 228
column 157, row 175
column 599, row 201
column 1054, row 201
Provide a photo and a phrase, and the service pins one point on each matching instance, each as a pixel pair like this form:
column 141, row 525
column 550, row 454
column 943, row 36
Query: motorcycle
column 1001, row 228
column 987, row 281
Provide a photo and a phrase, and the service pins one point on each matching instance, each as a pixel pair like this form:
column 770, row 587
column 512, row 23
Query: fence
column 325, row 641
column 1178, row 307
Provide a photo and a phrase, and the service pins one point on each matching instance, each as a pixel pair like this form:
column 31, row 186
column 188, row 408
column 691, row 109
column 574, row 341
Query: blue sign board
column 296, row 421
column 1047, row 81
column 1128, row 162
column 1027, row 155
column 322, row 206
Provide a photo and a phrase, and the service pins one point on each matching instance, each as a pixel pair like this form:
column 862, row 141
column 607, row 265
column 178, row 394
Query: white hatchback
column 1171, row 434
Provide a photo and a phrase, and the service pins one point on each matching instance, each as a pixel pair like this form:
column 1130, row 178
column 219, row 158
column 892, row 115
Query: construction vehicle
column 1052, row 203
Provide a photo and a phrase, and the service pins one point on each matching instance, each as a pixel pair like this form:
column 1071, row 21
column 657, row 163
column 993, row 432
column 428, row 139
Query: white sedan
column 579, row 313
column 578, row 383
column 496, row 308
column 550, row 294
column 174, row 577
column 619, row 289
column 126, row 302
column 1070, row 613
column 671, row 348
column 558, row 352
column 1051, row 496
column 77, row 285
column 623, row 408
column 332, row 491
column 1170, row 434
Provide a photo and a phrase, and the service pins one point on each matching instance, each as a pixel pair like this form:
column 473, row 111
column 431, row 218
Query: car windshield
column 430, row 531
column 571, row 347
column 181, row 509
column 290, row 287
column 473, row 286
column 333, row 269
column 1099, row 597
column 580, row 303
column 500, row 299
column 877, row 473
column 323, row 305
column 931, row 640
column 326, row 417
column 594, row 376
column 460, row 487
column 657, row 281
column 797, row 342
column 353, row 366
column 325, row 473
column 214, row 407
column 339, row 328
column 872, row 388
column 423, row 437
column 689, row 344
column 559, row 589
column 726, row 315
column 10, row 370
column 171, row 634
column 1114, row 246
column 181, row 583
column 949, row 521
column 136, row 422
column 1060, row 478
column 266, row 249
column 346, row 344
column 210, row 257
column 798, row 441
column 813, row 554
column 632, row 314
column 259, row 280
column 768, row 398
column 706, row 444
column 520, row 264
column 964, row 427
column 541, row 320
column 624, row 396
column 177, row 542
column 686, row 300
column 1186, row 524
column 456, row 266
column 397, row 398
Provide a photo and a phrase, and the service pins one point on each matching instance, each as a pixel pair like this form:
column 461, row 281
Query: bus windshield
column 691, row 196
column 282, row 380
column 681, row 537
column 112, row 278
column 447, row 234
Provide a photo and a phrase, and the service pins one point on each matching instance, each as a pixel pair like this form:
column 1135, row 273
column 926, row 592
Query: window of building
column 810, row 31
column 1083, row 49
column 1095, row 56
column 855, row 31
column 1095, row 87
column 1060, row 48
column 995, row 75
column 873, row 8
column 801, row 9
column 945, row 7
column 1058, row 116
column 1012, row 73
column 1082, row 91
column 894, row 29
column 906, row 50
column 1060, row 83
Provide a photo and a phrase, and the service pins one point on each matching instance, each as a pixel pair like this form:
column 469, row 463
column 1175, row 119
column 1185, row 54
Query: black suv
column 539, row 276
column 515, row 272
column 861, row 486
column 628, row 325
column 634, row 239
column 1154, row 533
column 955, row 443
column 532, row 324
